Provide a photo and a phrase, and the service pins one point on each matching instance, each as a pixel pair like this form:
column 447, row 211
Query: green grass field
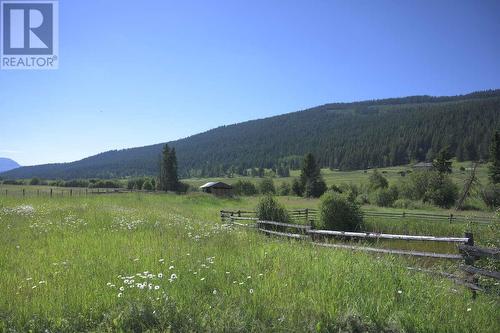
column 137, row 262
column 355, row 177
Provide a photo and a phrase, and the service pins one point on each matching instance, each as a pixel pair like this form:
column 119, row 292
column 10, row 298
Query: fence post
column 51, row 193
column 307, row 215
column 404, row 214
column 239, row 213
column 6, row 192
column 24, row 193
column 37, row 193
column 71, row 192
column 469, row 260
column 451, row 218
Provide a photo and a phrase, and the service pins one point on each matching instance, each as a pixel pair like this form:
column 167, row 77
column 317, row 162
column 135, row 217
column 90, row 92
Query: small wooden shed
column 219, row 189
column 423, row 166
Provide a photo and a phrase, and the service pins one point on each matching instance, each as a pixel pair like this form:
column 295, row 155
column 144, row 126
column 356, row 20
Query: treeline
column 346, row 136
column 350, row 139
column 85, row 183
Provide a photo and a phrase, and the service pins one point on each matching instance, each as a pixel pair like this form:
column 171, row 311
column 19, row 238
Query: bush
column 284, row 189
column 491, row 196
column 183, row 187
column 297, row 188
column 75, row 183
column 385, row 197
column 404, row 204
column 335, row 188
column 429, row 186
column 266, row 186
column 442, row 191
column 362, row 199
column 105, row 184
column 147, row 186
column 315, row 189
column 350, row 190
column 35, row 181
column 13, row 182
column 376, row 181
column 244, row 187
column 268, row 209
column 337, row 212
column 416, row 185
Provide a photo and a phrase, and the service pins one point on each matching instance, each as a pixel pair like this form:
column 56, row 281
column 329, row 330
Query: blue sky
column 134, row 73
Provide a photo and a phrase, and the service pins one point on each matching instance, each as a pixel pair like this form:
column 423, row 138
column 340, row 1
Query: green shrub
column 183, row 187
column 376, row 181
column 76, row 183
column 147, row 186
column 315, row 188
column 266, row 186
column 335, row 188
column 105, row 184
column 363, row 199
column 385, row 197
column 268, row 209
column 429, row 186
column 491, row 196
column 35, row 181
column 404, row 204
column 416, row 185
column 337, row 212
column 297, row 188
column 442, row 191
column 284, row 189
column 244, row 187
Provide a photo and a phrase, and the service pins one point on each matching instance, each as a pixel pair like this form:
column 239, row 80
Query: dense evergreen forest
column 343, row 136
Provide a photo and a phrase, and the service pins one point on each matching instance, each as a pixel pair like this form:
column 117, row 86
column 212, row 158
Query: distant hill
column 347, row 136
column 7, row 164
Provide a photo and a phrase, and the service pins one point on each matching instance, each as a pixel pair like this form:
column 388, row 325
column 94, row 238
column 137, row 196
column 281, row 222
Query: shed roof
column 423, row 165
column 217, row 185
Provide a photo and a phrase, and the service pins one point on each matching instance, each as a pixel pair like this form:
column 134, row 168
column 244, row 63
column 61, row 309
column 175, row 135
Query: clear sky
column 134, row 73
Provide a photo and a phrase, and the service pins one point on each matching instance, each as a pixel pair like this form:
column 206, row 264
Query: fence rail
column 308, row 215
column 467, row 251
column 61, row 192
column 374, row 235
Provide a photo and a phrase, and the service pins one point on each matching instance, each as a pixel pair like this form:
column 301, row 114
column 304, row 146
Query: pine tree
column 172, row 176
column 494, row 167
column 168, row 178
column 310, row 178
column 442, row 163
column 163, row 176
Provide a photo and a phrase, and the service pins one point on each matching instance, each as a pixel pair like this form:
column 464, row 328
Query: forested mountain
column 7, row 164
column 341, row 135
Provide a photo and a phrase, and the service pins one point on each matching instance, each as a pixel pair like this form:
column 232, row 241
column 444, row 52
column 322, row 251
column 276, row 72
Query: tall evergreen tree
column 494, row 167
column 168, row 178
column 172, row 175
column 442, row 163
column 311, row 181
column 163, row 176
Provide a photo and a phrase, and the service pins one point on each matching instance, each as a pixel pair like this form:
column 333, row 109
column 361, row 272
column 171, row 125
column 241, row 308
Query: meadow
column 162, row 262
column 337, row 177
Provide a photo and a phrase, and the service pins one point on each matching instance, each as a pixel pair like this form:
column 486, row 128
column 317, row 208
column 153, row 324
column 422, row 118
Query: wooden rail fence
column 466, row 248
column 59, row 192
column 310, row 216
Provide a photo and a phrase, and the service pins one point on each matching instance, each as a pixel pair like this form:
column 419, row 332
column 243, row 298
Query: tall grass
column 64, row 260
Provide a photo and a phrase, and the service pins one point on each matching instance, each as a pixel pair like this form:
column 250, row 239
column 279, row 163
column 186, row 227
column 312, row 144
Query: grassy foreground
column 135, row 262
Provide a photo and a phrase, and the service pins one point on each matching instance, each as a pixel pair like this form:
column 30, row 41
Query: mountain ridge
column 343, row 135
column 7, row 164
